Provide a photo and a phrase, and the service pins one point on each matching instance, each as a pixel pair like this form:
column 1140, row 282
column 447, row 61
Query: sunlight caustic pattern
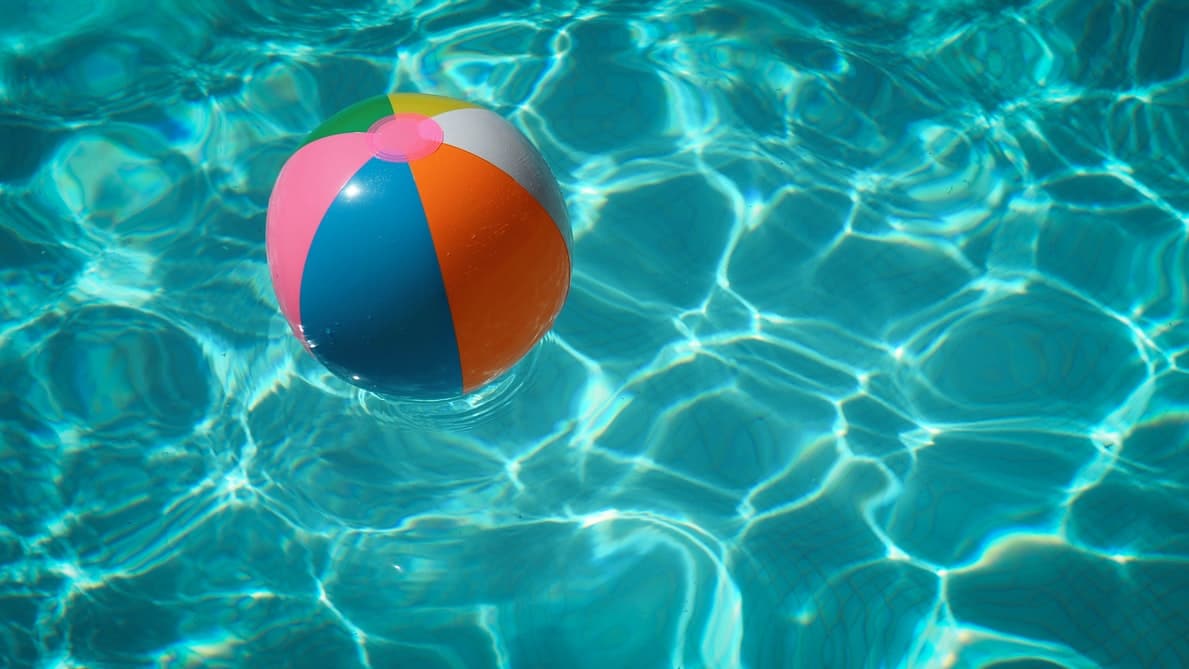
column 876, row 353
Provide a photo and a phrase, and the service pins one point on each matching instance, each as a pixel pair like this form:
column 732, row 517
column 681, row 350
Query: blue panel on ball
column 373, row 304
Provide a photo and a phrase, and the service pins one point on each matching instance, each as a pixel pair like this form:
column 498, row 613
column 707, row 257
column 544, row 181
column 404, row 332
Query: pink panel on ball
column 305, row 189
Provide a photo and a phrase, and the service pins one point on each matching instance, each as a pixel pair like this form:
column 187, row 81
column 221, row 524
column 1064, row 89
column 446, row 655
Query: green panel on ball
column 359, row 117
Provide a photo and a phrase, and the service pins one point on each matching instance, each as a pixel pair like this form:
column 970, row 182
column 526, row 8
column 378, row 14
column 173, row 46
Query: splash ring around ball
column 461, row 413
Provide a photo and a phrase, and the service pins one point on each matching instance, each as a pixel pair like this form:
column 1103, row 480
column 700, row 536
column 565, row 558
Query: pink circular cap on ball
column 405, row 137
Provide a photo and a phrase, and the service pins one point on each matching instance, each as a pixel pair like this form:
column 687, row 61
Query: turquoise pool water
column 875, row 357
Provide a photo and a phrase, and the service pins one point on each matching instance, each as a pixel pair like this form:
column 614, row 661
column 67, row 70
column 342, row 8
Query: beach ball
column 418, row 245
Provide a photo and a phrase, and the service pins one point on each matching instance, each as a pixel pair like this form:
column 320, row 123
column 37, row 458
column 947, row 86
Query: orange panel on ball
column 503, row 260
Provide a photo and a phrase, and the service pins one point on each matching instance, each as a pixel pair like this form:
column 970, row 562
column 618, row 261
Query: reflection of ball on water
column 419, row 245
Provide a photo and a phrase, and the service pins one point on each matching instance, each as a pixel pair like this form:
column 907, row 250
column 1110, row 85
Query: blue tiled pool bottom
column 875, row 354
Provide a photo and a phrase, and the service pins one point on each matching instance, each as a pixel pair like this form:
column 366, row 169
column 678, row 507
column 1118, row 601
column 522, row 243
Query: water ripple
column 875, row 353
